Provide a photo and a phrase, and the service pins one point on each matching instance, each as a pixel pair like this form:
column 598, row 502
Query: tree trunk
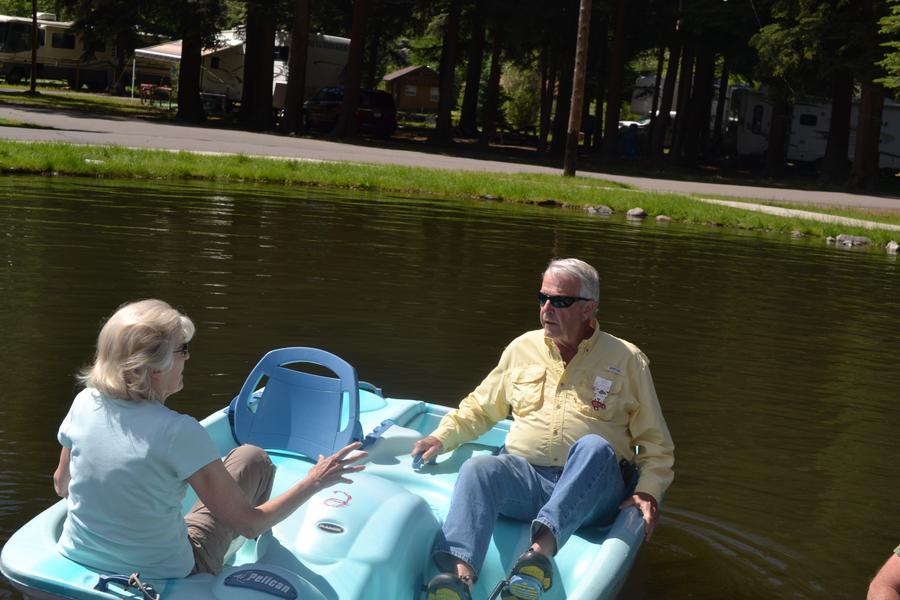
column 259, row 62
column 696, row 132
column 121, row 68
column 718, row 133
column 614, row 91
column 475, row 58
column 190, row 106
column 371, row 63
column 684, row 100
column 577, row 104
column 346, row 126
column 548, row 87
column 602, row 55
column 564, row 91
column 662, row 118
column 293, row 99
column 779, row 128
column 657, row 81
column 835, row 164
column 492, row 95
column 593, row 84
column 34, row 46
column 587, row 119
column 868, row 136
column 442, row 131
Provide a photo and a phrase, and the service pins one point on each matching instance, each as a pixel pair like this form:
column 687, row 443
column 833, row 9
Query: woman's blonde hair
column 138, row 339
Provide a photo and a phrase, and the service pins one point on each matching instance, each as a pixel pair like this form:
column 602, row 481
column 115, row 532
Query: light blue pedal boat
column 362, row 541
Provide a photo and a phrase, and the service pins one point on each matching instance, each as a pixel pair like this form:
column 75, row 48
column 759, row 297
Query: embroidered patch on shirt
column 601, row 391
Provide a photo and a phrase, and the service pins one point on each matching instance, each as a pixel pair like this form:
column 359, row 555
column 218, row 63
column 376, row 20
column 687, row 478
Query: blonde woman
column 127, row 459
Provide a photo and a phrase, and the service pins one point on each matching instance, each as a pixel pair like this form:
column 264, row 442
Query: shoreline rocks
column 845, row 239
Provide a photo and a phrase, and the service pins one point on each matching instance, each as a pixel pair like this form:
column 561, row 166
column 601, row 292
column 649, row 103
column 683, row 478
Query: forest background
column 509, row 64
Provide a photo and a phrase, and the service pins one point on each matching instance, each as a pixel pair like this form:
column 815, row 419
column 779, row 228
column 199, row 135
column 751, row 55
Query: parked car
column 376, row 113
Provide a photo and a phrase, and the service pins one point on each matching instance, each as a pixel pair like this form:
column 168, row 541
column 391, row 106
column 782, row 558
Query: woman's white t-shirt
column 129, row 462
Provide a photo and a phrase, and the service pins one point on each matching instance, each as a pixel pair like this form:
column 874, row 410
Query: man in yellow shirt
column 581, row 401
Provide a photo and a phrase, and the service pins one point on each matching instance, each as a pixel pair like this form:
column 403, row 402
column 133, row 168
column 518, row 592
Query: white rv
column 59, row 53
column 222, row 67
column 808, row 135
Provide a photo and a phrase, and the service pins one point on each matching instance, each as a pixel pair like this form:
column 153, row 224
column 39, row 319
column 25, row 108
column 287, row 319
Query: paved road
column 79, row 129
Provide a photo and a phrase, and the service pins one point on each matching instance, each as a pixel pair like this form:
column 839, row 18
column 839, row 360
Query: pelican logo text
column 330, row 527
column 263, row 581
column 339, row 499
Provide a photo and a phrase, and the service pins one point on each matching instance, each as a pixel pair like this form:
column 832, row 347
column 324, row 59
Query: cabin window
column 809, row 120
column 65, row 41
column 410, row 90
column 214, row 62
column 435, row 94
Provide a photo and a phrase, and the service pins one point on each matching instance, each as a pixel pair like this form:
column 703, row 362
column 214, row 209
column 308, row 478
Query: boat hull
column 366, row 540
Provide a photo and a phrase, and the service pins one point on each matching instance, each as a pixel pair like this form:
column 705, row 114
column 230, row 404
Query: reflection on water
column 773, row 358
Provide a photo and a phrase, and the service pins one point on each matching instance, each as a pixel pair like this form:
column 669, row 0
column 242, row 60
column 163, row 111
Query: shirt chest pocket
column 602, row 399
column 527, row 389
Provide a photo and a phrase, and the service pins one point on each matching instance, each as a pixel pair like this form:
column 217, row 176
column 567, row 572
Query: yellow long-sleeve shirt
column 606, row 389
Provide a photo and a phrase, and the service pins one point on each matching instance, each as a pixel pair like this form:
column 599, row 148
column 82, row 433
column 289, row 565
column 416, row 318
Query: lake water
column 774, row 359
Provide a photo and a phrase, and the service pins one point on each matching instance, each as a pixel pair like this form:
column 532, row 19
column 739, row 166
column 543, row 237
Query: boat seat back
column 297, row 411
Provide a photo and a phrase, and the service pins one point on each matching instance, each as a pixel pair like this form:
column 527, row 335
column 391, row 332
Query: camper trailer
column 222, row 66
column 60, row 53
column 808, row 135
column 61, row 56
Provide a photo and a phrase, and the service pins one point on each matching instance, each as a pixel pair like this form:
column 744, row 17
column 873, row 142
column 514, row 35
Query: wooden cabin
column 415, row 89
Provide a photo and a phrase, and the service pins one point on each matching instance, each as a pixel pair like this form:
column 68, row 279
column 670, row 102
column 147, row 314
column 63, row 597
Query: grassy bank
column 577, row 193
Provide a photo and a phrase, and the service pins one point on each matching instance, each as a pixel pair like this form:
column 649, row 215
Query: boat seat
column 296, row 411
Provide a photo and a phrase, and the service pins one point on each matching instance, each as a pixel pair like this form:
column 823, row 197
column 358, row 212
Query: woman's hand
column 222, row 495
column 333, row 469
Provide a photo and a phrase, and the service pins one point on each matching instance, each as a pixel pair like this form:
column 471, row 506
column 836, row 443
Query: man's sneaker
column 446, row 586
column 531, row 576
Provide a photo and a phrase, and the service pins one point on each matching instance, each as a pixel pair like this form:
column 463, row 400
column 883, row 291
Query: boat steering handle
column 127, row 581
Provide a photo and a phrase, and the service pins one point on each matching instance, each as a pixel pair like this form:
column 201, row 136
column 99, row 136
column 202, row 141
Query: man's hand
column 649, row 509
column 429, row 447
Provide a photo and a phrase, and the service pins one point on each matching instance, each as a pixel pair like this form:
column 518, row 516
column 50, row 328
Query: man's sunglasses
column 183, row 349
column 559, row 301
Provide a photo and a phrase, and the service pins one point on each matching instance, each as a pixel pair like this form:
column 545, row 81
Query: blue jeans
column 586, row 490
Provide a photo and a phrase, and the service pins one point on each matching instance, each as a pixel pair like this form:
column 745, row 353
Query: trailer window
column 15, row 37
column 809, row 120
column 63, row 40
column 756, row 123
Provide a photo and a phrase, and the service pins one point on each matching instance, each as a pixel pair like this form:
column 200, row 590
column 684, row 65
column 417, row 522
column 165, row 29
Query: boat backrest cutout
column 297, row 411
